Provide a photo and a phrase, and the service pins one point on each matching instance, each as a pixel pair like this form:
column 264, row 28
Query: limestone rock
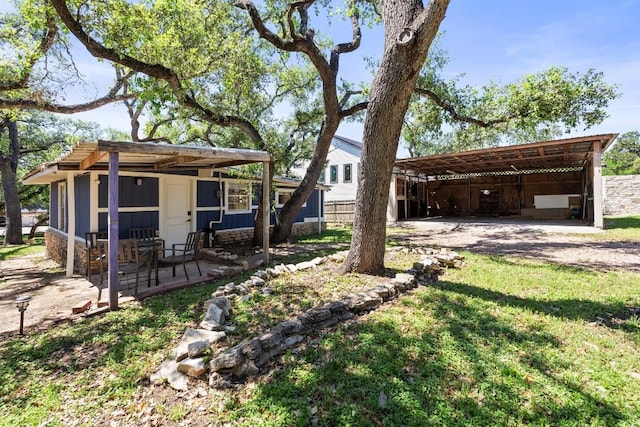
column 217, row 381
column 192, row 367
column 192, row 335
column 261, row 274
column 229, row 359
column 257, row 281
column 168, row 371
column 197, row 348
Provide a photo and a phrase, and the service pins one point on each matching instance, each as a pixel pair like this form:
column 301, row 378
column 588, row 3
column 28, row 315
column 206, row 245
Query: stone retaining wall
column 621, row 194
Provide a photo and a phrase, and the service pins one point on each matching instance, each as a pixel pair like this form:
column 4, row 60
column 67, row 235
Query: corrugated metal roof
column 573, row 153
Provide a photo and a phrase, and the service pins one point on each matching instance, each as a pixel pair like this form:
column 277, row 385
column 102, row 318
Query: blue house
column 170, row 188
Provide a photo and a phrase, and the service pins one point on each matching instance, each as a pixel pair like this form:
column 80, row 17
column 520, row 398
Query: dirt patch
column 562, row 242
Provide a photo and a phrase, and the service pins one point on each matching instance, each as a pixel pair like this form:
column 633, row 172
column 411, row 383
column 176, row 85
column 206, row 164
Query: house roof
column 355, row 143
column 563, row 154
column 141, row 157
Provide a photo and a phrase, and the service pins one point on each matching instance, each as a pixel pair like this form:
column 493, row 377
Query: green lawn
column 499, row 342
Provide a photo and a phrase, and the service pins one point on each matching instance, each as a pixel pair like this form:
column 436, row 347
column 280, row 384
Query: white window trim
column 229, row 211
column 62, row 206
column 285, row 191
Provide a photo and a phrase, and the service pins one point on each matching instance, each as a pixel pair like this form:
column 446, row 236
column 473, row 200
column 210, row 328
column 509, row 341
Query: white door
column 176, row 210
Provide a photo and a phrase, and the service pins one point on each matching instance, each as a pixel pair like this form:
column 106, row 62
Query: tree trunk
column 288, row 213
column 409, row 31
column 8, row 169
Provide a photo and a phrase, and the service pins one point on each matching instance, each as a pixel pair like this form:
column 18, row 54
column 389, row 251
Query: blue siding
column 83, row 204
column 130, row 194
column 207, row 194
column 53, row 208
column 203, row 218
column 128, row 220
column 236, row 221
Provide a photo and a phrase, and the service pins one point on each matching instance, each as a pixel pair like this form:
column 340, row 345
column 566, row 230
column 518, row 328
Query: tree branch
column 346, row 47
column 45, row 44
column 461, row 117
column 30, row 104
column 354, row 109
column 157, row 71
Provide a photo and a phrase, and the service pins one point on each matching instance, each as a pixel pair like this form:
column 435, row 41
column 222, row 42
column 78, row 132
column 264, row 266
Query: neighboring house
column 175, row 192
column 341, row 170
column 341, row 173
column 32, row 216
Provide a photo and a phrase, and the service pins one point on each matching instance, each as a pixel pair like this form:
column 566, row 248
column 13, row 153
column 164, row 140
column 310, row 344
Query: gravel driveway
column 564, row 242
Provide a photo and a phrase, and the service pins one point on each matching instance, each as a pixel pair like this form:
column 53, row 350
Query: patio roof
column 141, row 157
column 562, row 154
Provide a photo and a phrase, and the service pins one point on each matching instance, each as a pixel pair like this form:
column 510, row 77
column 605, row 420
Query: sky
column 500, row 41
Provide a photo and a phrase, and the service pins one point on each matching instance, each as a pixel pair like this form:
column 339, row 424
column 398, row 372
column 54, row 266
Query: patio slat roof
column 142, row 157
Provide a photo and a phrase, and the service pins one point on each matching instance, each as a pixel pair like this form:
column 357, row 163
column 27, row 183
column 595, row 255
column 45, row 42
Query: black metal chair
column 181, row 253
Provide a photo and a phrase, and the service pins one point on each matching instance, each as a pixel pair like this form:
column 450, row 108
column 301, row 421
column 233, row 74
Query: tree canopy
column 623, row 158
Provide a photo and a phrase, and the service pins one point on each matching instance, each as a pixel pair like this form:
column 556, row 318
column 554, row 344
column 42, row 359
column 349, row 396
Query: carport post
column 598, row 220
column 114, row 166
column 266, row 213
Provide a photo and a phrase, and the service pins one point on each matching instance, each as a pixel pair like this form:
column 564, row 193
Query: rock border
column 250, row 357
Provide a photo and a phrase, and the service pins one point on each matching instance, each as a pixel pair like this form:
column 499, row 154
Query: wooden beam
column 92, row 159
column 178, row 150
column 174, row 161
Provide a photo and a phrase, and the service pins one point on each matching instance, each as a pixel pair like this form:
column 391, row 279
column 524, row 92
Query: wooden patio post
column 598, row 220
column 266, row 213
column 114, row 166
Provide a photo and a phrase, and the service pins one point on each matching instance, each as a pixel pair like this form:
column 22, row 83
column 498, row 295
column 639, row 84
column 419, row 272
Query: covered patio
column 115, row 157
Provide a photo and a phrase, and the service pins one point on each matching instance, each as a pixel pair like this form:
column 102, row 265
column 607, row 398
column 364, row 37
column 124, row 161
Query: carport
column 550, row 179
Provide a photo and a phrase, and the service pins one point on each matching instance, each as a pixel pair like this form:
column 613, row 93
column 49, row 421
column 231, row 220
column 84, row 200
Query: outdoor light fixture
column 22, row 303
column 138, row 181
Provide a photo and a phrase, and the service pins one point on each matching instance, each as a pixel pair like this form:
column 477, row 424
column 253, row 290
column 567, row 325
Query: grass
column 621, row 228
column 15, row 251
column 501, row 341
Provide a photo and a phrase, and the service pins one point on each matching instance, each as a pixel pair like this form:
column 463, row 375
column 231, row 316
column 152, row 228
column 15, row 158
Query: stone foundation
column 56, row 249
column 56, row 243
column 245, row 235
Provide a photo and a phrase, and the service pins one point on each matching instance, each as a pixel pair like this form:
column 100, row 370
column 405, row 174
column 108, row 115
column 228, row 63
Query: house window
column 238, row 197
column 62, row 206
column 347, row 173
column 322, row 176
column 333, row 172
column 283, row 196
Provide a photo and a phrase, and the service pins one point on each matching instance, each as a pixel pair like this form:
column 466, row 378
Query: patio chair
column 131, row 261
column 181, row 253
column 93, row 253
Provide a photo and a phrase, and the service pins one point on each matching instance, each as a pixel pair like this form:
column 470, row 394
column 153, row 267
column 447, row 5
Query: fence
column 339, row 211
